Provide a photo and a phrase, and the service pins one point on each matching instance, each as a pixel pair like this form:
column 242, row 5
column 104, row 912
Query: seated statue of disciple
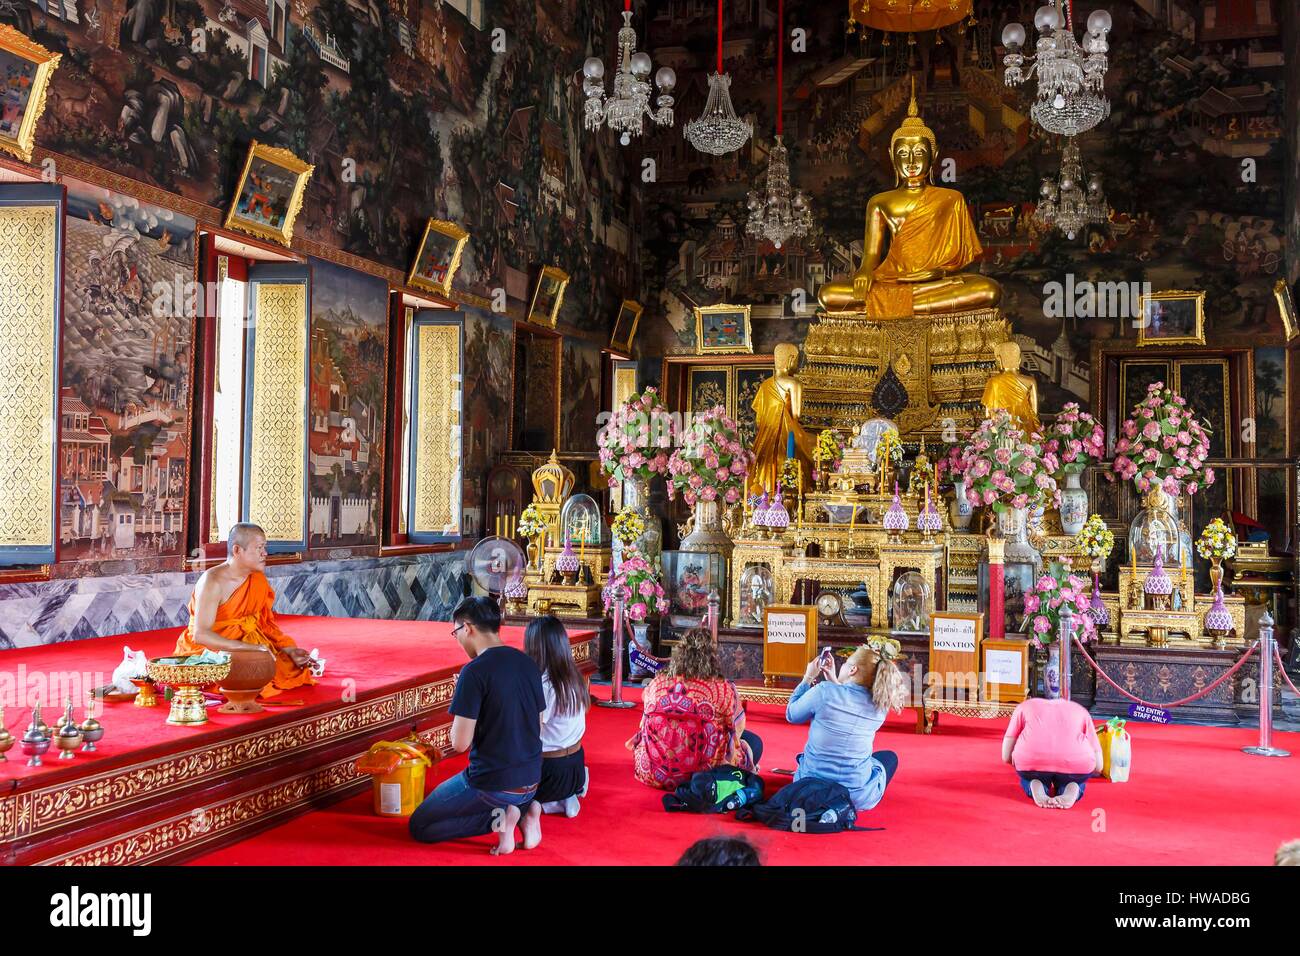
column 930, row 239
column 231, row 611
column 777, row 406
column 1012, row 390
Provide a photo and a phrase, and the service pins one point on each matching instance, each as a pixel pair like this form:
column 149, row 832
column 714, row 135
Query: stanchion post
column 616, row 692
column 1066, row 635
column 1266, row 748
column 714, row 602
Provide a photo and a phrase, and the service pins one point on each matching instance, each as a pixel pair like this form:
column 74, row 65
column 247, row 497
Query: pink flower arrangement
column 710, row 463
column 635, row 441
column 1074, row 441
column 1005, row 469
column 1164, row 444
column 952, row 466
column 1052, row 591
column 638, row 583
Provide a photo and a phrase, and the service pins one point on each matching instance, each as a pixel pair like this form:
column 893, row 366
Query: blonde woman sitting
column 845, row 710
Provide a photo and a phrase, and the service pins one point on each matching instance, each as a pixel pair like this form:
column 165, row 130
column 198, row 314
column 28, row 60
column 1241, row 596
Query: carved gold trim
column 437, row 418
column 285, row 160
column 451, row 231
column 28, row 359
column 25, row 48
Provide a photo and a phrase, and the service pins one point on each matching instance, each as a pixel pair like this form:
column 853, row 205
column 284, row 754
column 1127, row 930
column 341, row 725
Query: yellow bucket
column 397, row 770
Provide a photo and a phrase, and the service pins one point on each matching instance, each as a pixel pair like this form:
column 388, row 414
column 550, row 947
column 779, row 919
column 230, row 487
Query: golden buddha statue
column 777, row 406
column 931, row 238
column 1012, row 390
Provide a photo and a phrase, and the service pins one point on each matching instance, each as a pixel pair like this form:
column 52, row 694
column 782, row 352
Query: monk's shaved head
column 243, row 534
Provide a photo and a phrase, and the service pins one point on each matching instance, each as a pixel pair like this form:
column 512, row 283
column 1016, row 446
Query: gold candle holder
column 146, row 696
column 92, row 731
column 68, row 738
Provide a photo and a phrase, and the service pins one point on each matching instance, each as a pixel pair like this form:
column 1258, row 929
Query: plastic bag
column 1116, row 750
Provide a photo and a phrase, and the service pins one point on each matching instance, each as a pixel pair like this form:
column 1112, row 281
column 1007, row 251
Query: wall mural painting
column 1190, row 101
column 1270, row 402
column 125, row 398
column 349, row 329
column 402, row 106
column 489, row 341
column 580, row 374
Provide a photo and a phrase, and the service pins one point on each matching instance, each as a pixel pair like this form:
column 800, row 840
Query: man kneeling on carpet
column 1054, row 747
column 845, row 710
column 564, row 721
column 692, row 719
column 231, row 611
column 497, row 716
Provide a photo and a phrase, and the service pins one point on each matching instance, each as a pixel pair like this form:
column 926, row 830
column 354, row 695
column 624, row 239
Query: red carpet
column 362, row 656
column 1193, row 798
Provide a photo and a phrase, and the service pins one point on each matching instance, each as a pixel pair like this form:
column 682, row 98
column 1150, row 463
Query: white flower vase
column 960, row 510
column 641, row 636
column 1074, row 505
column 1052, row 672
column 706, row 534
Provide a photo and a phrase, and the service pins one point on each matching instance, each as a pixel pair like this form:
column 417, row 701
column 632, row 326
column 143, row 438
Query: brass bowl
column 188, row 706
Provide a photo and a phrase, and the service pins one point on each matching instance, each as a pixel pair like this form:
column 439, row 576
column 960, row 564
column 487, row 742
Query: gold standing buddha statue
column 930, row 238
column 1012, row 390
column 777, row 407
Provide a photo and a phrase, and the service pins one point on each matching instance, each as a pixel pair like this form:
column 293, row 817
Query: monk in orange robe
column 231, row 611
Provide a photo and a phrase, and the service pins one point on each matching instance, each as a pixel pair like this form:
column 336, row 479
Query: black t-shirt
column 501, row 689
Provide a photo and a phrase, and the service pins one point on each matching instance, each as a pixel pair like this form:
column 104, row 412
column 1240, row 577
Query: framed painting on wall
column 721, row 329
column 545, row 309
column 269, row 194
column 1286, row 306
column 629, row 316
column 438, row 257
column 25, row 70
column 1172, row 318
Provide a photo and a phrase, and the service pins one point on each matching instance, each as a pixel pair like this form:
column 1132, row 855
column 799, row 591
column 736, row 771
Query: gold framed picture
column 545, row 308
column 269, row 194
column 25, row 70
column 438, row 257
column 721, row 329
column 1286, row 306
column 629, row 316
column 1176, row 317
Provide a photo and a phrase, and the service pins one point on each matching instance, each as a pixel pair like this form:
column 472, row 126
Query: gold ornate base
column 189, row 707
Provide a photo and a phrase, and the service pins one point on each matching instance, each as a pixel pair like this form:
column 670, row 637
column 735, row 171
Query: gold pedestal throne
column 909, row 336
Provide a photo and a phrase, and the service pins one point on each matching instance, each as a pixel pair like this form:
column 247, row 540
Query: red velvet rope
column 719, row 37
column 1277, row 656
column 780, row 60
column 1177, row 703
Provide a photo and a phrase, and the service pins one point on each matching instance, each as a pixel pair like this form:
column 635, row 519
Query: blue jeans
column 455, row 809
column 1053, row 783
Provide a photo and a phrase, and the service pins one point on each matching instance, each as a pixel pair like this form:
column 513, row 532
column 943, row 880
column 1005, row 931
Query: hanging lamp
column 718, row 130
column 773, row 214
column 624, row 109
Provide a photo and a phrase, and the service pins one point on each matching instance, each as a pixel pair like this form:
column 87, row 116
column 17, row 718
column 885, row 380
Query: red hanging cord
column 780, row 59
column 627, row 4
column 719, row 37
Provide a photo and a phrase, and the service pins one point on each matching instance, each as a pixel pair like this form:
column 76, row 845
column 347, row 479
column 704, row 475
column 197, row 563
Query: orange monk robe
column 774, row 421
column 247, row 616
column 937, row 237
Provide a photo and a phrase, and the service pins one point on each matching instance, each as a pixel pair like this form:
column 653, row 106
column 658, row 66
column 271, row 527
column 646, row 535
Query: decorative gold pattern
column 46, row 62
column 28, row 358
column 289, row 162
column 437, row 418
column 277, row 478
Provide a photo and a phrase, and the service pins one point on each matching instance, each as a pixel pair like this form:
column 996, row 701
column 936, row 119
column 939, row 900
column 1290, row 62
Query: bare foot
column 531, row 825
column 1039, row 793
column 1068, row 797
column 508, row 820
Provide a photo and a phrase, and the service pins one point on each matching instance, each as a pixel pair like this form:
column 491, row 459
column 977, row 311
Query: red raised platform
column 154, row 793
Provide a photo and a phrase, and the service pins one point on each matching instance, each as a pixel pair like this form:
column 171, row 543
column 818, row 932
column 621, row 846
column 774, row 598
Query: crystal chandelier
column 773, row 214
column 624, row 109
column 1070, row 99
column 1064, row 203
column 718, row 130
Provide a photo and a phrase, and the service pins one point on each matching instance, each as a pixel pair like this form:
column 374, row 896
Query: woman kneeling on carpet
column 846, row 710
column 564, row 721
column 1054, row 747
column 692, row 719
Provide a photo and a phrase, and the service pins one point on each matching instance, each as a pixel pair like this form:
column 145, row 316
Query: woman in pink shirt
column 1054, row 747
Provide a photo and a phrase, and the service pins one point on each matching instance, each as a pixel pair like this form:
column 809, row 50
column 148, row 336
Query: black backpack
column 720, row 790
column 810, row 805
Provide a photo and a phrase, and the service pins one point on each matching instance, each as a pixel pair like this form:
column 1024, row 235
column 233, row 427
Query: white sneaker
column 586, row 781
column 571, row 806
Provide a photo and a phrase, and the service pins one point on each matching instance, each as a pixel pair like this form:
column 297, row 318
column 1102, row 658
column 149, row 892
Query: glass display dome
column 911, row 602
column 581, row 522
column 757, row 591
column 1157, row 527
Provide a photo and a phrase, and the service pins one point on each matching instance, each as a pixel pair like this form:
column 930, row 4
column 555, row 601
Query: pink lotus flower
column 1042, row 625
column 1032, row 602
